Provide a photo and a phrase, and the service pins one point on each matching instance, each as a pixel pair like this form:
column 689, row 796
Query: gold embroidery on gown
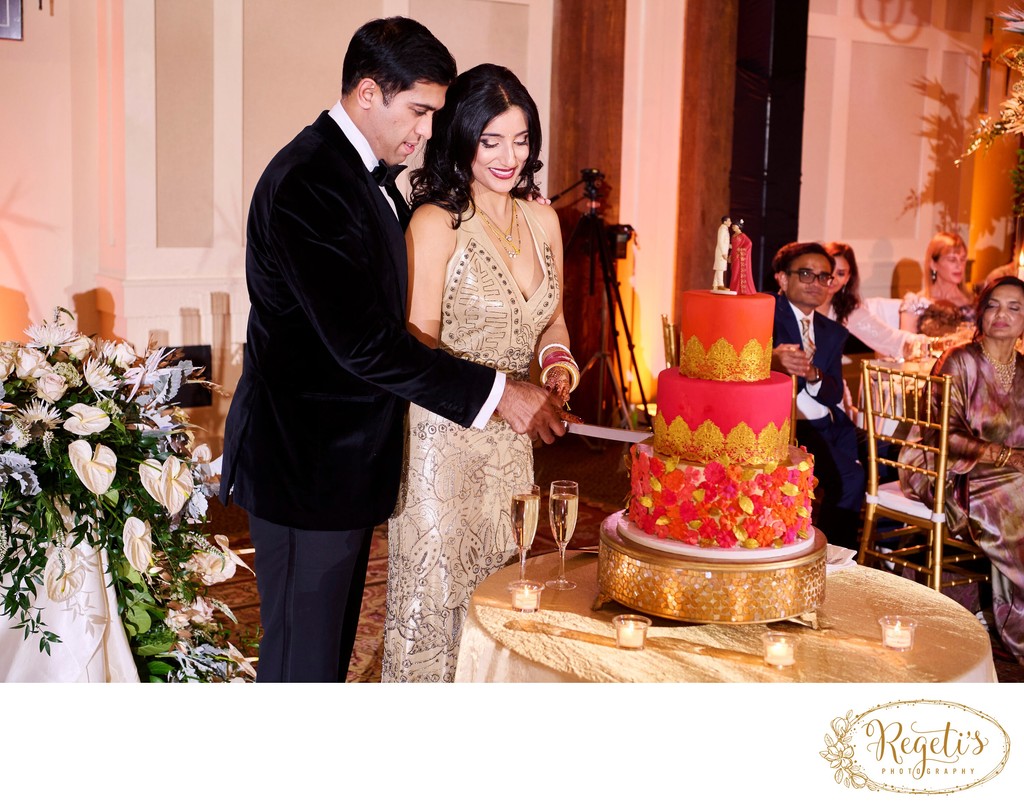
column 452, row 527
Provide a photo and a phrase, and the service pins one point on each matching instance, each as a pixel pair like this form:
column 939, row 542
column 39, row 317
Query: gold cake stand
column 689, row 588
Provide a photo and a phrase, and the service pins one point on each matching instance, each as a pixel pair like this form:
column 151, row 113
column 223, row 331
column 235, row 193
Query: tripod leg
column 614, row 296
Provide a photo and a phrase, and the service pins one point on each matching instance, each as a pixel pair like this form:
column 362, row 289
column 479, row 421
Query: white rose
column 96, row 469
column 211, row 567
column 121, row 353
column 99, row 376
column 199, row 611
column 86, row 420
column 30, row 363
column 138, row 543
column 214, row 567
column 50, row 386
column 8, row 359
column 80, row 347
column 170, row 484
column 202, row 454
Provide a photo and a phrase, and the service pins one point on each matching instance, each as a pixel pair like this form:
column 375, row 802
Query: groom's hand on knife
column 533, row 411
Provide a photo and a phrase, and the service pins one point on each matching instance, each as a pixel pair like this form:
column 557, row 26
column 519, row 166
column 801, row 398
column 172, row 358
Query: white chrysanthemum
column 39, row 413
column 99, row 375
column 16, row 435
column 50, row 336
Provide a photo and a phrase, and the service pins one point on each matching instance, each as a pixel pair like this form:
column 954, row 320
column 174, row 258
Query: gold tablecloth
column 500, row 645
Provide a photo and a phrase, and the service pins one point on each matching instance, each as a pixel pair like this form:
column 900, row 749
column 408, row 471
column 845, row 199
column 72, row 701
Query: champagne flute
column 525, row 514
column 563, row 506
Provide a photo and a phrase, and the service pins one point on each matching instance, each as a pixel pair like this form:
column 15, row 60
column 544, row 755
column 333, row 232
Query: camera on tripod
column 591, row 180
column 604, row 243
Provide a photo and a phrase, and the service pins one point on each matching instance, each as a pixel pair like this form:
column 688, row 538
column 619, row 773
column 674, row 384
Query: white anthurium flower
column 170, row 484
column 80, row 347
column 64, row 574
column 86, row 420
column 31, row 363
column 50, row 386
column 138, row 543
column 99, row 375
column 95, row 468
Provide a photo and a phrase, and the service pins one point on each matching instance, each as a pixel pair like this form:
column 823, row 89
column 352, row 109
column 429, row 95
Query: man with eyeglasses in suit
column 809, row 346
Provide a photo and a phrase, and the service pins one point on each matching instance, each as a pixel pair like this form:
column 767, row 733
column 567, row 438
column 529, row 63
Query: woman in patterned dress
column 986, row 444
column 485, row 283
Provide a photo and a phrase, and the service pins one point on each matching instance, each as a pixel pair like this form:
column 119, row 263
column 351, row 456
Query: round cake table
column 570, row 641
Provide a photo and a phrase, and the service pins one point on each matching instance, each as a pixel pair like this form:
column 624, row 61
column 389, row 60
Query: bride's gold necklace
column 510, row 246
column 1005, row 371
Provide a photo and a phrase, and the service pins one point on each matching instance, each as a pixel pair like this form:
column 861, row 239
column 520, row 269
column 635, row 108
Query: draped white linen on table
column 93, row 647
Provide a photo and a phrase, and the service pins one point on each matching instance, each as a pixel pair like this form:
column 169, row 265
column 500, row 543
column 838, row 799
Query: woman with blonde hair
column 944, row 303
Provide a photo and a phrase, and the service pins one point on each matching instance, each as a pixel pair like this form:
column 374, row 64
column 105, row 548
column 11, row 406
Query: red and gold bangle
column 1004, row 456
column 543, row 356
column 574, row 373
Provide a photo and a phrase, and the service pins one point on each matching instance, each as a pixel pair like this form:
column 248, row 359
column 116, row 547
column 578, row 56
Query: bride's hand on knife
column 559, row 384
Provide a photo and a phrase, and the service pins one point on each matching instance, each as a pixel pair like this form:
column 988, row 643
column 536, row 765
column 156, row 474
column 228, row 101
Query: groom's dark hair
column 396, row 52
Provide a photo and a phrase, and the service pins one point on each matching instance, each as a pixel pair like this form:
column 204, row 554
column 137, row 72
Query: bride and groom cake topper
column 733, row 251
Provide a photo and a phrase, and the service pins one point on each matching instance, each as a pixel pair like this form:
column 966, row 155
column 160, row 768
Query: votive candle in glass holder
column 897, row 632
column 631, row 631
column 525, row 595
column 779, row 649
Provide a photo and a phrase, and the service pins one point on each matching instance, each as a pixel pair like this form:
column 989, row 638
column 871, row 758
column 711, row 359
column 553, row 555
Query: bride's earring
column 934, row 275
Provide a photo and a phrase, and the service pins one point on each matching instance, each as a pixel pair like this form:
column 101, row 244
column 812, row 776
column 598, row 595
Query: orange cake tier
column 726, row 337
column 702, row 420
column 725, row 506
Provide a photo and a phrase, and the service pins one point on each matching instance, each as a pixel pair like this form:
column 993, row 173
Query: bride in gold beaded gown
column 485, row 284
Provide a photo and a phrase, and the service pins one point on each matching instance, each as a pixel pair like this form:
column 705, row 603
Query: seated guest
column 810, row 347
column 843, row 305
column 986, row 447
column 943, row 304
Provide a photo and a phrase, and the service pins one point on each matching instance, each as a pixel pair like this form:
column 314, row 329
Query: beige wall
column 892, row 92
column 142, row 127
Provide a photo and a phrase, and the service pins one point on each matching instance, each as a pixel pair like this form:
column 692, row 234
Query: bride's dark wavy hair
column 473, row 100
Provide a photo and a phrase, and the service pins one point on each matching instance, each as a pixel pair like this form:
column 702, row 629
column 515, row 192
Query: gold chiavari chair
column 911, row 410
column 670, row 334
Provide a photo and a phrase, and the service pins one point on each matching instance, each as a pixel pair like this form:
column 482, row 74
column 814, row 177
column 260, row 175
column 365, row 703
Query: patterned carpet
column 241, row 596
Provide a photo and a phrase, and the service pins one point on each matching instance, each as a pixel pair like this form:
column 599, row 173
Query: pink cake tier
column 702, row 420
column 725, row 337
column 725, row 506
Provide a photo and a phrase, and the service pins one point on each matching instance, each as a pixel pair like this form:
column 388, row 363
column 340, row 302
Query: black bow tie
column 384, row 175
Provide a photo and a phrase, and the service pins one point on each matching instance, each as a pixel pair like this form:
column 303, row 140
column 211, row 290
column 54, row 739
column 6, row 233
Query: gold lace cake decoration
column 707, row 443
column 722, row 363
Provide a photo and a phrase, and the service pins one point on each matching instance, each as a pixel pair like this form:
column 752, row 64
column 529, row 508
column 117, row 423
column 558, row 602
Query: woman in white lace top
column 844, row 306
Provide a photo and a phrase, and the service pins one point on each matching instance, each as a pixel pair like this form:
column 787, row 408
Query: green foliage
column 78, row 419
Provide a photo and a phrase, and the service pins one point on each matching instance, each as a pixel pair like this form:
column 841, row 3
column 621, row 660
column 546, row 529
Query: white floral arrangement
column 93, row 450
column 1011, row 113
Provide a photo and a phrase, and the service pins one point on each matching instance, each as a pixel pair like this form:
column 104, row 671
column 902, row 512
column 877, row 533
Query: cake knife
column 609, row 433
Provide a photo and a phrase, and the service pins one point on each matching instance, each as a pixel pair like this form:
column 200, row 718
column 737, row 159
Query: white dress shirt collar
column 355, row 137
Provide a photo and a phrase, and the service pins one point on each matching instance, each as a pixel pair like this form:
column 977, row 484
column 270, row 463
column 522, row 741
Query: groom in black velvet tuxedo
column 809, row 346
column 313, row 440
